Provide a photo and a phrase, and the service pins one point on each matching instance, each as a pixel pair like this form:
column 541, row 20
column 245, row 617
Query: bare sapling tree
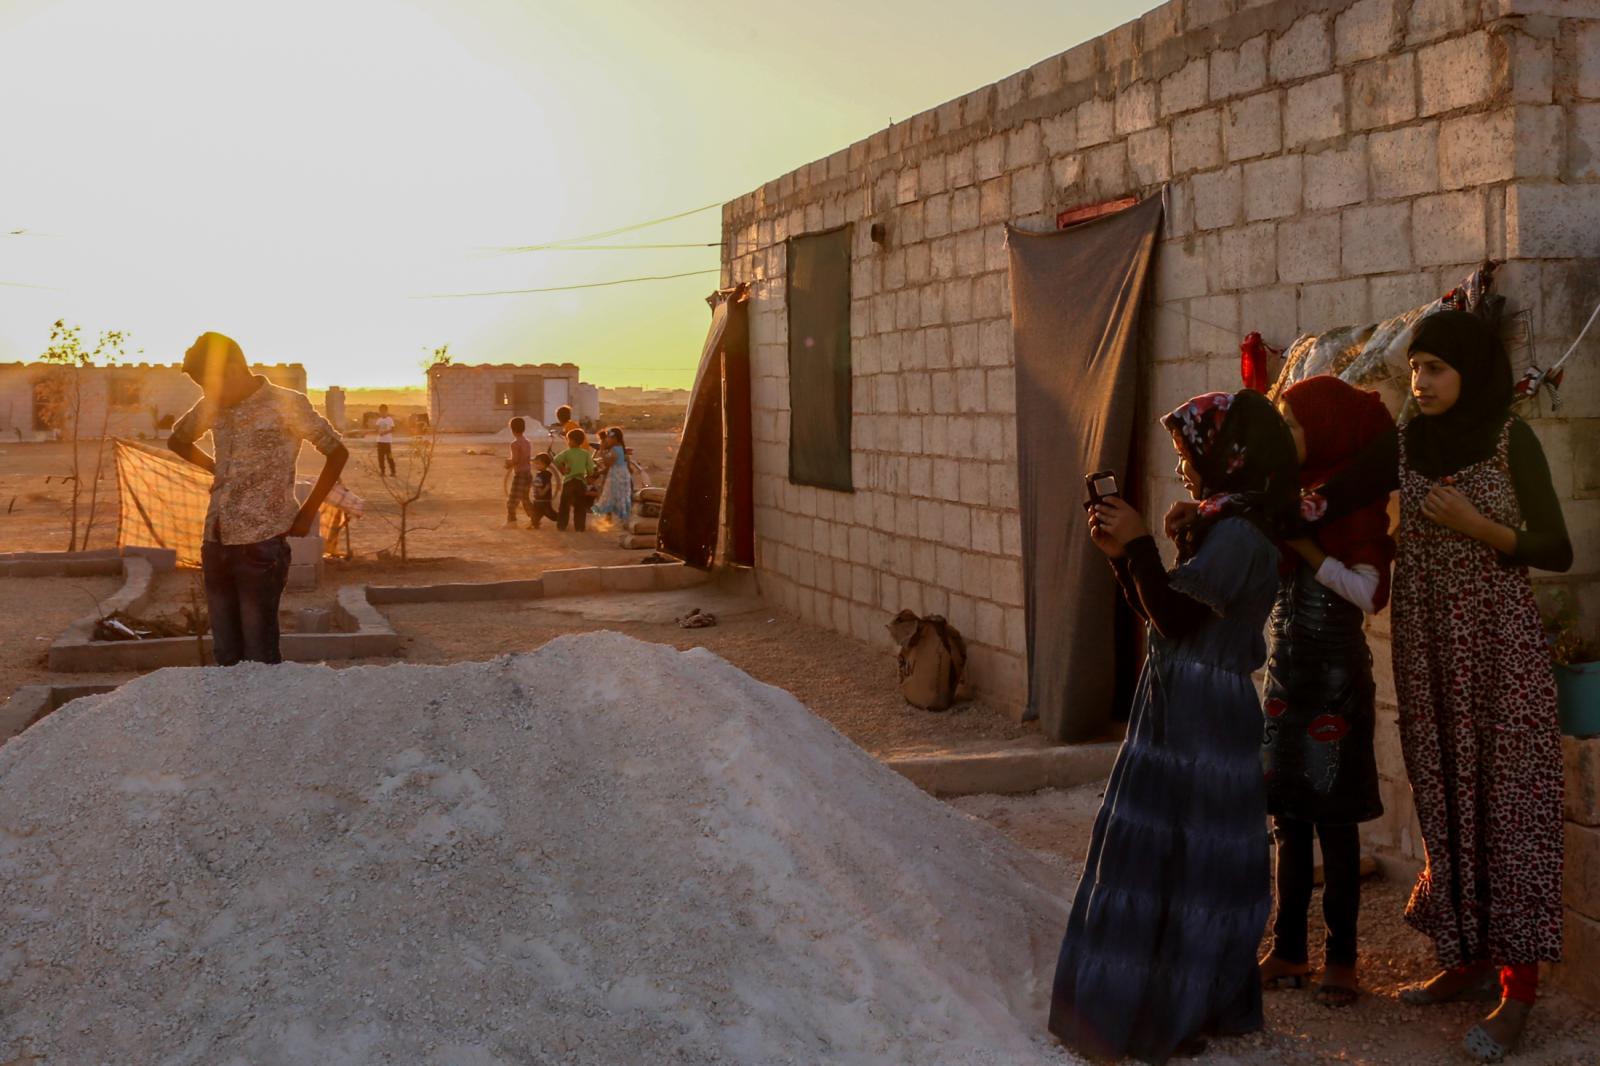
column 410, row 482
column 61, row 396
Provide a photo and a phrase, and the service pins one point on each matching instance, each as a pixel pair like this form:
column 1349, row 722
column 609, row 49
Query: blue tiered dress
column 1162, row 939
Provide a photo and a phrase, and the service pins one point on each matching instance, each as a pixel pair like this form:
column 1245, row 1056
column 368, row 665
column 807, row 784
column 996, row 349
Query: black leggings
column 1341, row 889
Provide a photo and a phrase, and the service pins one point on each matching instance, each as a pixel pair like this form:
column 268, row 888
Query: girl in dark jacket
column 1317, row 746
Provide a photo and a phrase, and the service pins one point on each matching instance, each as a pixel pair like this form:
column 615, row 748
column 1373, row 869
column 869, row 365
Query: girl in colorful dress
column 1477, row 697
column 616, row 496
column 1160, row 948
column 1322, row 775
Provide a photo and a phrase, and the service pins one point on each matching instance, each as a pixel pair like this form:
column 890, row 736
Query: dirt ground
column 463, row 538
column 1378, row 1030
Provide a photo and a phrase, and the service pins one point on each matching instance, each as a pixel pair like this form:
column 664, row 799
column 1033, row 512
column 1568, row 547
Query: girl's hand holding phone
column 1117, row 520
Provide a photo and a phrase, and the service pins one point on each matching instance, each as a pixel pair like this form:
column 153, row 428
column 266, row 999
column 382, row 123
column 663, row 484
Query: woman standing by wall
column 1160, row 948
column 1477, row 696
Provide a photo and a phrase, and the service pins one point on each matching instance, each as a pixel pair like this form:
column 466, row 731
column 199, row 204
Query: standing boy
column 575, row 466
column 520, row 463
column 543, row 489
column 256, row 428
column 385, row 428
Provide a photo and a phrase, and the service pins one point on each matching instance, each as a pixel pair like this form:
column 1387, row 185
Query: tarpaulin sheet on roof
column 1076, row 298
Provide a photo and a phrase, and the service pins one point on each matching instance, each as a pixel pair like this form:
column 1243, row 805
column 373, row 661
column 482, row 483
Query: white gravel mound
column 600, row 852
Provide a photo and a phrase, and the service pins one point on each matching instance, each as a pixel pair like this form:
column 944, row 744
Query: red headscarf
column 1339, row 420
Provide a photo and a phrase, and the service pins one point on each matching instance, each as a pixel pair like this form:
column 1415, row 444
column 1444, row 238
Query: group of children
column 566, row 483
column 1288, row 534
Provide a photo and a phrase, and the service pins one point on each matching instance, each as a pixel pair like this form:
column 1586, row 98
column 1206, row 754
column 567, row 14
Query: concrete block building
column 141, row 399
column 1325, row 162
column 481, row 398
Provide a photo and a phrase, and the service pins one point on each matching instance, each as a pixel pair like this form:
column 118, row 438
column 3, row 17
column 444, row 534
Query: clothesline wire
column 569, row 288
column 1576, row 340
column 543, row 245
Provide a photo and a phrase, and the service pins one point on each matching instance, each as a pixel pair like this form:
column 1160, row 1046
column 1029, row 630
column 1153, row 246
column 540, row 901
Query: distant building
column 480, row 399
column 143, row 398
column 587, row 408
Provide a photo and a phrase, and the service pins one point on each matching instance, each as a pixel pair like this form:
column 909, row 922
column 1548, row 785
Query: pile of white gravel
column 602, row 852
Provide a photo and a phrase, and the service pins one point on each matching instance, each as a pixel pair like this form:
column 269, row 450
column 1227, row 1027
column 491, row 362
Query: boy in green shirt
column 575, row 465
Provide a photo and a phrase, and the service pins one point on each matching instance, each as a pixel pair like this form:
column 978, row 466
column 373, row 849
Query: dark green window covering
column 819, row 360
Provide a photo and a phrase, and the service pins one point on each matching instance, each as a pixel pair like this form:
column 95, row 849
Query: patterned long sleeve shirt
column 256, row 442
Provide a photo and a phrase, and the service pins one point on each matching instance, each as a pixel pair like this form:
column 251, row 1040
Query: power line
column 569, row 288
column 611, row 232
column 614, row 247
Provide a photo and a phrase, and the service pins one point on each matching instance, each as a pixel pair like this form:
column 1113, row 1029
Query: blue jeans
column 244, row 583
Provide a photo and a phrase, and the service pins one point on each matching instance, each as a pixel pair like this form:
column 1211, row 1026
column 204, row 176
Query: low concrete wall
column 82, row 564
column 1007, row 773
column 32, row 702
column 1580, row 974
column 575, row 581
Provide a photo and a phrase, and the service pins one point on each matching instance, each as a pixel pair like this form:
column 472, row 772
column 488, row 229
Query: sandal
column 1484, row 988
column 1275, row 980
column 1484, row 1047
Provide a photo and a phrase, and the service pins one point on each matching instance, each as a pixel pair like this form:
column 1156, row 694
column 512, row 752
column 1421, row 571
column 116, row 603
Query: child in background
column 521, row 467
column 543, row 489
column 562, row 426
column 575, row 465
column 384, row 424
column 1322, row 774
column 616, row 498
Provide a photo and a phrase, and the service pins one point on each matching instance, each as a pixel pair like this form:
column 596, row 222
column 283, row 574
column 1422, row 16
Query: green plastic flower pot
column 1578, row 697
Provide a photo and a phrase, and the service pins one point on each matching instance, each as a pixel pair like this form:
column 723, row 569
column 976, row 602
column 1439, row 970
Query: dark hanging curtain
column 1076, row 297
column 692, row 511
column 819, row 359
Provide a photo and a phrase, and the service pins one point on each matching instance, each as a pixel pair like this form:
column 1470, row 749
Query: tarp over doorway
column 1076, row 297
column 716, row 446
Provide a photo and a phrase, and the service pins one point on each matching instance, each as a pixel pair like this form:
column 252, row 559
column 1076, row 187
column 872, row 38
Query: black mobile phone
column 1101, row 485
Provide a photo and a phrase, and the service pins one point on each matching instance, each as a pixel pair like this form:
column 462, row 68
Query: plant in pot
column 1577, row 671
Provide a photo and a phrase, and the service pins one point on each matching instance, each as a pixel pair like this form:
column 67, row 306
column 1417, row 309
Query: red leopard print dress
column 1479, row 730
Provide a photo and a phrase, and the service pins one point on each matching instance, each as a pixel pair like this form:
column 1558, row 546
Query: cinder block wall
column 461, row 397
column 1328, row 163
column 163, row 391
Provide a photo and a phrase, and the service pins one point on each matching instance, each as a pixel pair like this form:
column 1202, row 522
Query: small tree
column 411, row 481
column 61, row 404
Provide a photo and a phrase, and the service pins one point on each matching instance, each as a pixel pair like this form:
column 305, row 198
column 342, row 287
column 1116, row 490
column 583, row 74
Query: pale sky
column 296, row 173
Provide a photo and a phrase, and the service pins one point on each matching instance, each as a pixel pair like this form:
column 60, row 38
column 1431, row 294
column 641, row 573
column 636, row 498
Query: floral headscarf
column 1244, row 454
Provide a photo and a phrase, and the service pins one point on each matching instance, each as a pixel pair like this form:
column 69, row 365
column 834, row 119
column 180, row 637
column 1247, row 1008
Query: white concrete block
column 1024, row 146
column 1365, row 30
column 1197, row 141
column 1096, row 122
column 1476, row 149
column 1106, row 171
column 1135, row 108
column 1308, row 249
column 1149, row 157
column 989, row 158
column 1587, row 39
column 1304, row 49
column 1314, row 111
column 1532, row 69
column 1373, row 240
column 1449, row 228
column 1428, row 20
column 1218, row 198
column 1336, row 177
column 1541, row 141
column 1455, row 73
column 1331, row 304
column 1180, row 270
column 1240, row 70
column 1185, row 90
column 1271, row 312
column 1030, row 189
column 1214, row 324
column 1405, row 161
column 1253, row 127
column 1272, row 188
column 1398, row 293
column 1383, row 92
column 1243, row 258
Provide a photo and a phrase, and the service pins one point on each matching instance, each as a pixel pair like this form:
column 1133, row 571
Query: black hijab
column 1244, row 454
column 1440, row 445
